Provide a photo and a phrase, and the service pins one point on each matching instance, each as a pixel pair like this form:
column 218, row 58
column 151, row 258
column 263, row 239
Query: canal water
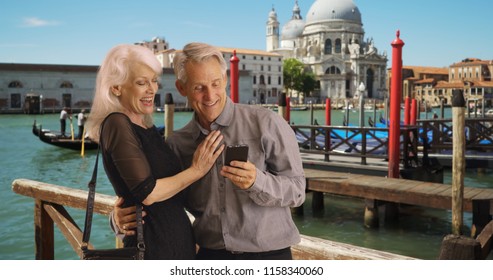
column 418, row 233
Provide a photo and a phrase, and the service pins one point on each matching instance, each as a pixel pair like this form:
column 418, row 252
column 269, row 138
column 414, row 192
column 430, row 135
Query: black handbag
column 127, row 253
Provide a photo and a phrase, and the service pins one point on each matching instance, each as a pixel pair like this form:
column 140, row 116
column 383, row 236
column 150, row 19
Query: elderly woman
column 138, row 162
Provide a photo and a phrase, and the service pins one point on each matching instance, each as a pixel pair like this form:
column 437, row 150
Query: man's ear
column 179, row 86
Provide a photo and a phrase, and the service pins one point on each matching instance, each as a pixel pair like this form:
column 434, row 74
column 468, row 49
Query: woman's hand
column 207, row 153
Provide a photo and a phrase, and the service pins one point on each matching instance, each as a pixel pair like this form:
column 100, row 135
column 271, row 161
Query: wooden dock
column 378, row 190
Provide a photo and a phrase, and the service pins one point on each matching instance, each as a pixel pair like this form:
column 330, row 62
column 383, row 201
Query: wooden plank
column 470, row 193
column 68, row 227
column 313, row 248
column 71, row 197
column 405, row 191
column 485, row 238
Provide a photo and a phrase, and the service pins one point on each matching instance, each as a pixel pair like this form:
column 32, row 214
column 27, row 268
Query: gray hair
column 114, row 71
column 196, row 52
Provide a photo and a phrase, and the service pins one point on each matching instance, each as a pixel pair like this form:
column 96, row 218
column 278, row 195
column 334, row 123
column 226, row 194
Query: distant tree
column 297, row 78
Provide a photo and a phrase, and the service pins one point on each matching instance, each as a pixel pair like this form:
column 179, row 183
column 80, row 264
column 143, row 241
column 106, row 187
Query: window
column 268, row 80
column 15, row 84
column 254, row 80
column 66, row 85
column 15, row 100
column 328, row 46
column 333, row 70
column 338, row 46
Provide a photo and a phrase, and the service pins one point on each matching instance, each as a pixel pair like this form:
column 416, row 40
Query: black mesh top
column 134, row 158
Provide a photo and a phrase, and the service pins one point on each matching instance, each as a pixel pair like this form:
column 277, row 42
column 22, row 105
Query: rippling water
column 418, row 233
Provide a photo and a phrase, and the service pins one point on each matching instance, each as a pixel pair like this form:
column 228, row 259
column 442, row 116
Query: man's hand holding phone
column 237, row 168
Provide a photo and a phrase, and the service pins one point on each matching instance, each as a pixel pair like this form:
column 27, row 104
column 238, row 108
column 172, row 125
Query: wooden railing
column 438, row 134
column 51, row 200
column 428, row 136
column 342, row 141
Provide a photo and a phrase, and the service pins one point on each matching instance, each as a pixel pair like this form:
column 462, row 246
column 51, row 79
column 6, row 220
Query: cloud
column 37, row 22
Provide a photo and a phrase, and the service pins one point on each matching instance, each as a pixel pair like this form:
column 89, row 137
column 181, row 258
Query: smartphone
column 235, row 152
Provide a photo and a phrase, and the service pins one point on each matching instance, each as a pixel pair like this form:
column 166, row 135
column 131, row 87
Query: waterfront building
column 433, row 86
column 331, row 43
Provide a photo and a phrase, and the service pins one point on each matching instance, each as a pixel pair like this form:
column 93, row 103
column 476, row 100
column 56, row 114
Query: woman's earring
column 116, row 91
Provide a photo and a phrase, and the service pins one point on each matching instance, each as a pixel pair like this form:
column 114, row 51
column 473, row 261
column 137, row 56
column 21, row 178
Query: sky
column 436, row 33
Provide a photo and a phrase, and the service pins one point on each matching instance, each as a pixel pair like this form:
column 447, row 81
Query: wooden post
column 281, row 110
column 456, row 247
column 458, row 160
column 317, row 202
column 169, row 111
column 371, row 218
column 327, row 132
column 44, row 235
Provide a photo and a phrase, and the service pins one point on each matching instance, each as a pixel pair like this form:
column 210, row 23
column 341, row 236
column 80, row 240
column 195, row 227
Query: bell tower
column 272, row 36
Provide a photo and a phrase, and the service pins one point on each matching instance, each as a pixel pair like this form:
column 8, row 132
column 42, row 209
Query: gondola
column 54, row 139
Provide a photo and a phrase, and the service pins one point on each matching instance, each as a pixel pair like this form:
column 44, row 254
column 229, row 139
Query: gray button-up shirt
column 254, row 220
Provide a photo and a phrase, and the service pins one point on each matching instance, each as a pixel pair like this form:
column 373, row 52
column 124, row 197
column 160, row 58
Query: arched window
column 66, row 85
column 328, row 46
column 333, row 71
column 338, row 46
column 15, row 84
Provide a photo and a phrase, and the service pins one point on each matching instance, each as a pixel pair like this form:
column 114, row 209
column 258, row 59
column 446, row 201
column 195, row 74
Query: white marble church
column 330, row 40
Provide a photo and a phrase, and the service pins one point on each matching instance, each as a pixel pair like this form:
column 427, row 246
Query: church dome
column 330, row 10
column 293, row 29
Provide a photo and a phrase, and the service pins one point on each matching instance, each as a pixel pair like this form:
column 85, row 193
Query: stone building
column 433, row 86
column 331, row 43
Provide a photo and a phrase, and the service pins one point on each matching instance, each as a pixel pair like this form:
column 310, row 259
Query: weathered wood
column 418, row 193
column 485, row 238
column 67, row 226
column 313, row 248
column 457, row 247
column 458, row 165
column 71, row 197
column 44, row 235
column 310, row 248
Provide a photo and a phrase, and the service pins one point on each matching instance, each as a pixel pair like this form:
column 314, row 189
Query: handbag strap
column 90, row 209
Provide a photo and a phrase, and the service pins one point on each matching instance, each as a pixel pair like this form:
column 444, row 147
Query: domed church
column 331, row 42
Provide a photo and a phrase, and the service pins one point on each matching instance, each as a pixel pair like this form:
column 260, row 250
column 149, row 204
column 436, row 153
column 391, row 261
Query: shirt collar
column 223, row 120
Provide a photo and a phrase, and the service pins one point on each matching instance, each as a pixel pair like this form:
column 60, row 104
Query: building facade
column 331, row 43
column 433, row 86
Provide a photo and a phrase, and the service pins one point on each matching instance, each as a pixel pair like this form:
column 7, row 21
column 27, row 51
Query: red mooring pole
column 395, row 107
column 234, row 75
column 407, row 111
column 327, row 111
column 414, row 111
